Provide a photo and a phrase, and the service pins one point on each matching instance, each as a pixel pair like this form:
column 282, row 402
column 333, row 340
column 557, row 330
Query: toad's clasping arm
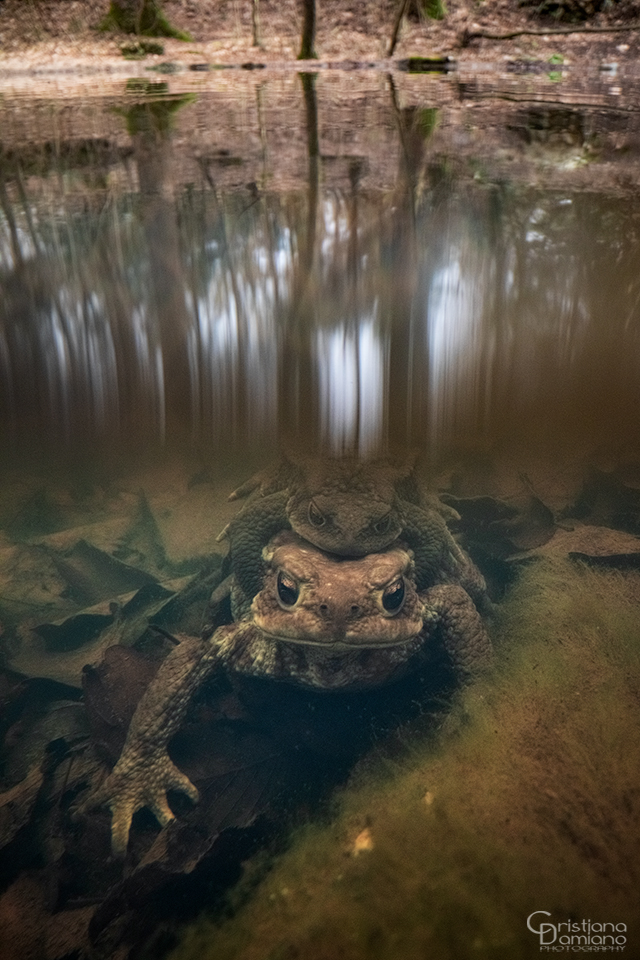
column 144, row 772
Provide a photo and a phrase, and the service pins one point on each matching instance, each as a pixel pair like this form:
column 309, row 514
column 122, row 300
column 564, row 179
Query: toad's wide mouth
column 343, row 643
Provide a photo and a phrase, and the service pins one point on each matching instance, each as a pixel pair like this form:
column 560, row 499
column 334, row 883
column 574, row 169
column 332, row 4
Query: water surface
column 289, row 263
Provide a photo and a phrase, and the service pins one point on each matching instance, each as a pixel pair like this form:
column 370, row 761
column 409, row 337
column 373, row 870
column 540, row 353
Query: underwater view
column 320, row 516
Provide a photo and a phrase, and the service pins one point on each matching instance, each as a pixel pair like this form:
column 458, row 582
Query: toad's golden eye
column 383, row 524
column 288, row 590
column 316, row 516
column 393, row 597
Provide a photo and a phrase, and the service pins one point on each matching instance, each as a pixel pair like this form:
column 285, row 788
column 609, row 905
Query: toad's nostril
column 324, row 609
column 355, row 610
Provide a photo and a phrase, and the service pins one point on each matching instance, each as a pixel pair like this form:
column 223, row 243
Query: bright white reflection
column 16, row 245
column 457, row 340
column 351, row 368
column 76, row 350
column 233, row 352
column 147, row 351
column 86, row 342
column 336, row 227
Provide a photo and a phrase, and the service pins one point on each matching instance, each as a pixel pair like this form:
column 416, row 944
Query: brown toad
column 350, row 508
column 326, row 622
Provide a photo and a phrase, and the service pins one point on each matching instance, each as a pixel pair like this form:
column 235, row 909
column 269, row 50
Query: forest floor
column 64, row 35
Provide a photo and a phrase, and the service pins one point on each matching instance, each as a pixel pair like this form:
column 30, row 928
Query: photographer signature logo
column 577, row 936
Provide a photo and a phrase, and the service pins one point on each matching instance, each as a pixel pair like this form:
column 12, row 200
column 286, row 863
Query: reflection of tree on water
column 82, row 343
column 235, row 281
column 52, row 321
column 167, row 326
column 296, row 323
column 415, row 126
column 330, row 311
column 526, row 317
column 366, row 351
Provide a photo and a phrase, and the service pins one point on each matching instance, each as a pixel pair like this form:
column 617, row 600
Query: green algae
column 137, row 51
column 145, row 19
column 527, row 798
column 435, row 9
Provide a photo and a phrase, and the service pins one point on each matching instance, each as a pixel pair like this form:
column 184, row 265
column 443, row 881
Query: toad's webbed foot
column 144, row 772
column 463, row 633
column 135, row 782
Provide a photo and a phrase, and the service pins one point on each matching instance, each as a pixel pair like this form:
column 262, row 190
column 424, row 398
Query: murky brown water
column 192, row 279
column 318, row 278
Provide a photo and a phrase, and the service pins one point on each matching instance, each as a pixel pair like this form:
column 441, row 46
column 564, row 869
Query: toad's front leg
column 144, row 772
column 463, row 632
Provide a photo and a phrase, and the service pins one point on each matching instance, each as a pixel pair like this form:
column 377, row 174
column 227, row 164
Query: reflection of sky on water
column 351, row 376
column 449, row 329
column 488, row 317
column 68, row 356
column 149, row 363
column 233, row 316
column 233, row 349
column 458, row 337
column 15, row 245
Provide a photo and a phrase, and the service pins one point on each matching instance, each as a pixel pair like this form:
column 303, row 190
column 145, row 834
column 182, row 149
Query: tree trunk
column 255, row 21
column 402, row 6
column 307, row 47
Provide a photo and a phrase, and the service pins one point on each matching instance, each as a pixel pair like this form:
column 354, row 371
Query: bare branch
column 468, row 35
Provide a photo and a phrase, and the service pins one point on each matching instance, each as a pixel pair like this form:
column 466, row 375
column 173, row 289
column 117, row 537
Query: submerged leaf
column 479, row 512
column 142, row 544
column 16, row 804
column 31, row 930
column 38, row 726
column 37, row 515
column 30, row 586
column 600, row 546
column 500, row 528
column 240, row 775
column 112, row 691
column 185, row 611
column 80, row 640
column 610, row 497
column 93, row 575
column 614, row 561
column 532, row 526
column 74, row 632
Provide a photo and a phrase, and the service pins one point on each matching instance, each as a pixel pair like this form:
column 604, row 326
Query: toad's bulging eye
column 316, row 516
column 393, row 597
column 383, row 524
column 288, row 590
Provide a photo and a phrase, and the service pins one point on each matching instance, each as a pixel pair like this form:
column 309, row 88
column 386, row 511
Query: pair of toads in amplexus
column 342, row 576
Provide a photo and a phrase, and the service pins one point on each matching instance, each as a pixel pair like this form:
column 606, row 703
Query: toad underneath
column 326, row 622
